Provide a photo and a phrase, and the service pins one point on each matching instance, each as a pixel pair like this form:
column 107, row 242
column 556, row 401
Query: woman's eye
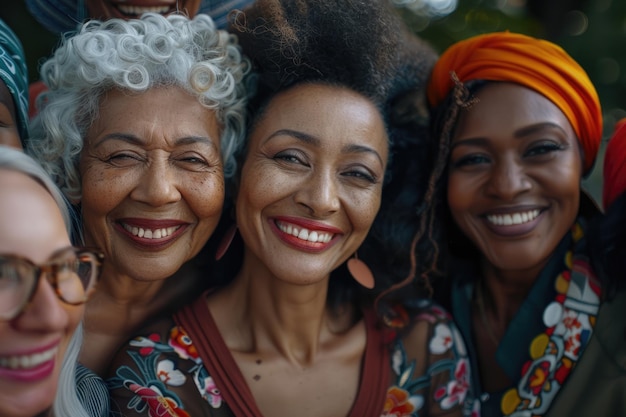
column 122, row 159
column 290, row 157
column 543, row 148
column 196, row 160
column 362, row 175
column 192, row 162
column 469, row 160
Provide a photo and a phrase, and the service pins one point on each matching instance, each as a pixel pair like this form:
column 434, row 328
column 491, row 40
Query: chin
column 519, row 261
column 28, row 402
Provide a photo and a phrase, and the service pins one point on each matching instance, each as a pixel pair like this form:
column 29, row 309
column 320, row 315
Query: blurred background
column 593, row 32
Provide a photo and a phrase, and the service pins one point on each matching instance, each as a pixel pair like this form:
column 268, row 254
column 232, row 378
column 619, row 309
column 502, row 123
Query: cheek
column 457, row 196
column 569, row 191
column 10, row 137
column 460, row 197
column 362, row 209
column 257, row 192
column 205, row 196
column 564, row 183
column 102, row 192
column 74, row 315
column 260, row 187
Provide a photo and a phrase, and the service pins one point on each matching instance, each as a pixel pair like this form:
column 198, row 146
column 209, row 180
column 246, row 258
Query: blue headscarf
column 61, row 16
column 15, row 75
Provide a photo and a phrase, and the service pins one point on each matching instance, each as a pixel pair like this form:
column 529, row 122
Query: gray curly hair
column 136, row 55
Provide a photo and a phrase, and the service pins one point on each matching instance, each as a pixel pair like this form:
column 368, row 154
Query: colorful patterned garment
column 547, row 336
column 569, row 321
column 163, row 374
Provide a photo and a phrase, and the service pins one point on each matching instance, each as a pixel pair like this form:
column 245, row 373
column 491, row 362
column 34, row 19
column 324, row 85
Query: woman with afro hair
column 320, row 310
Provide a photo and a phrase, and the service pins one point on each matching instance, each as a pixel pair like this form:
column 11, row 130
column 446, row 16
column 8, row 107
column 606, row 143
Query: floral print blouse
column 161, row 373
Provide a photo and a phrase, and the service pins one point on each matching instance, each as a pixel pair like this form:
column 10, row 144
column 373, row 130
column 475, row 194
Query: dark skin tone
column 513, row 189
column 315, row 161
column 143, row 164
column 9, row 133
column 107, row 9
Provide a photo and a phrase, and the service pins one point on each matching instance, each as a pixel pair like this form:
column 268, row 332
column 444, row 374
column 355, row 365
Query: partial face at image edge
column 33, row 343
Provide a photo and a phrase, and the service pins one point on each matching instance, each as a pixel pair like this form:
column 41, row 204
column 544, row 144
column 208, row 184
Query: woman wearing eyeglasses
column 44, row 282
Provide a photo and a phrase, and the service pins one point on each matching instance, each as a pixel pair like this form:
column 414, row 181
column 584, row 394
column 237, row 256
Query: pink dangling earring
column 361, row 272
column 225, row 242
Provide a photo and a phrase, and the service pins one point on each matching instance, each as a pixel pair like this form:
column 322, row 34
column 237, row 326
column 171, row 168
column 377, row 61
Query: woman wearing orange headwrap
column 518, row 124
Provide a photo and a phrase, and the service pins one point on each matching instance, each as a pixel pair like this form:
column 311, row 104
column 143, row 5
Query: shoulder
column 92, row 392
column 429, row 338
column 431, row 327
column 597, row 384
column 155, row 342
column 160, row 367
column 160, row 350
column 430, row 362
column 610, row 331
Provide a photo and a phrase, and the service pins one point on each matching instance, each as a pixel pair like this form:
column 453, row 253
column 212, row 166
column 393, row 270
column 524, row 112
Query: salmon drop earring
column 361, row 272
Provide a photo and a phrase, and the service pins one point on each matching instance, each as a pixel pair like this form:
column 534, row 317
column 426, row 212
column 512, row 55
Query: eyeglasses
column 72, row 272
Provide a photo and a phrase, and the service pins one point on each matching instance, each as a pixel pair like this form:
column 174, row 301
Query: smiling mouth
column 28, row 361
column 150, row 233
column 135, row 11
column 513, row 219
column 304, row 234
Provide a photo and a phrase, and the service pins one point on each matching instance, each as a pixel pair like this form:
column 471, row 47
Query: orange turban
column 534, row 63
column 614, row 176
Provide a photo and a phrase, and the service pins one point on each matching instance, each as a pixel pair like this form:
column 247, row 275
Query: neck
column 121, row 305
column 497, row 300
column 291, row 320
column 504, row 291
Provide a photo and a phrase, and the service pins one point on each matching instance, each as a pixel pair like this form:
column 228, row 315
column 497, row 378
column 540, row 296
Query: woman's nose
column 45, row 312
column 158, row 185
column 507, row 180
column 320, row 194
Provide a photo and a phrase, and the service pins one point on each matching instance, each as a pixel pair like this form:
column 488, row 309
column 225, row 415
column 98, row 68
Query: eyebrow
column 518, row 134
column 134, row 140
column 312, row 140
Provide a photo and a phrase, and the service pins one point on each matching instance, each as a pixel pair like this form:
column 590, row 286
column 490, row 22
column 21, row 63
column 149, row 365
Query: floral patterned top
column 161, row 372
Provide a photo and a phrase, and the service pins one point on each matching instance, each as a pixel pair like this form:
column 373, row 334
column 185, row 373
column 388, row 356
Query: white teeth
column 149, row 233
column 513, row 219
column 138, row 10
column 27, row 361
column 305, row 234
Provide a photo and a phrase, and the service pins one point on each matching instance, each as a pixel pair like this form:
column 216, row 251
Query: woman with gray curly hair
column 139, row 127
column 334, row 164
